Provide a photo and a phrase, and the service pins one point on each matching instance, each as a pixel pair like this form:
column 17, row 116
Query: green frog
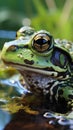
column 45, row 63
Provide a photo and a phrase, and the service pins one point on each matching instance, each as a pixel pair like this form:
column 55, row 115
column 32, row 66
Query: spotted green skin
column 48, row 72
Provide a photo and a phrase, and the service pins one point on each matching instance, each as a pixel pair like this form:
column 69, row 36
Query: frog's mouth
column 44, row 71
column 50, row 73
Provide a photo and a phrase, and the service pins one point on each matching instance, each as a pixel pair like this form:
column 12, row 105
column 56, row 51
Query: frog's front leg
column 65, row 92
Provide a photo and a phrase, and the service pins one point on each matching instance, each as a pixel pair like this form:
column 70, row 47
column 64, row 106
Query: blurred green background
column 56, row 16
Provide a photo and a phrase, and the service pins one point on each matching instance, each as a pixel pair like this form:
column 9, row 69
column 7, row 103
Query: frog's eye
column 42, row 42
column 12, row 48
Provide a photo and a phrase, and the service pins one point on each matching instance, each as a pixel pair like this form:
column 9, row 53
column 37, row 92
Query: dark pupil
column 41, row 44
column 41, row 41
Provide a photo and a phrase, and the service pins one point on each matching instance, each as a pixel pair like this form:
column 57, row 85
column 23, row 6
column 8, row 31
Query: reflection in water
column 4, row 119
column 14, row 82
column 66, row 122
column 60, row 119
column 29, row 113
column 25, row 121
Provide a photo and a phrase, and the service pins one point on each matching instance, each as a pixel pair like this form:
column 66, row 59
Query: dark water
column 27, row 113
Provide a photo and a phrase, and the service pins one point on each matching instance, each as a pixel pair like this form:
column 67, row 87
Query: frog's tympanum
column 45, row 63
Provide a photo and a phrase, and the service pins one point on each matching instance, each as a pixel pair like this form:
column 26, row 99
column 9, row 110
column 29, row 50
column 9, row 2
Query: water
column 18, row 112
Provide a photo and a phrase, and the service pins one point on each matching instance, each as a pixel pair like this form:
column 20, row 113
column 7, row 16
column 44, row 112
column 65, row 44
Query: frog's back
column 66, row 46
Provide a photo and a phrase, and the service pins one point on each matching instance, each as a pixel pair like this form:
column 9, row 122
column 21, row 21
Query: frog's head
column 37, row 53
